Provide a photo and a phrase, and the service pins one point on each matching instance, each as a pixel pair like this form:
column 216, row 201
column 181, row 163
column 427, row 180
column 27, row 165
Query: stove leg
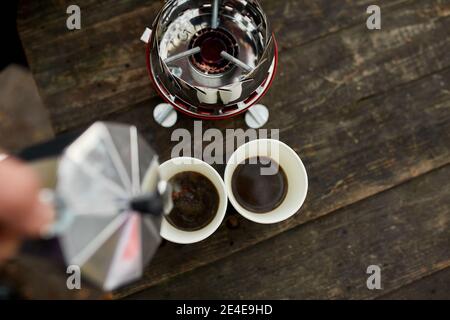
column 257, row 116
column 165, row 115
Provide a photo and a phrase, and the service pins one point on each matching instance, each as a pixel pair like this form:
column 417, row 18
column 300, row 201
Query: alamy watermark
column 73, row 21
column 215, row 147
column 73, row 281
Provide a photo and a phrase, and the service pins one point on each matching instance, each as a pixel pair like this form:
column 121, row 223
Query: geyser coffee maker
column 211, row 59
column 109, row 200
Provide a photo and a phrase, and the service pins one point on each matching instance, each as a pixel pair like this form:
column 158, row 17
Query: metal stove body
column 211, row 59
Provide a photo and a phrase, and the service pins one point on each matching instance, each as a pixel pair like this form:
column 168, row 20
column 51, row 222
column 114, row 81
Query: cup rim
column 189, row 237
column 264, row 218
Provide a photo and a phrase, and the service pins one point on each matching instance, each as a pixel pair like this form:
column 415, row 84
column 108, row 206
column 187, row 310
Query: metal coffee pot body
column 109, row 201
column 211, row 59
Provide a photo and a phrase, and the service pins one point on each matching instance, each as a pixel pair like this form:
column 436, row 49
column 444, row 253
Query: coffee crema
column 195, row 201
column 256, row 192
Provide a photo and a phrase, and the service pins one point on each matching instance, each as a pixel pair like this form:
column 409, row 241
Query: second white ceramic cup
column 292, row 165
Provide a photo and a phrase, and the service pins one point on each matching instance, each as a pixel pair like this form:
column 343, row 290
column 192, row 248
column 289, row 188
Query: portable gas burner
column 211, row 59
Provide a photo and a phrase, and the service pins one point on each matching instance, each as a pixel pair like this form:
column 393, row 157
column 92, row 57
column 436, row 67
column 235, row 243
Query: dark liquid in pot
column 195, row 200
column 256, row 192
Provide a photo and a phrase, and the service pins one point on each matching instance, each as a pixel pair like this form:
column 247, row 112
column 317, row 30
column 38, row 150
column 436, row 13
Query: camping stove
column 211, row 59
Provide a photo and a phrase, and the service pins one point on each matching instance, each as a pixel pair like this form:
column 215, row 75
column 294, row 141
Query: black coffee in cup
column 259, row 184
column 195, row 200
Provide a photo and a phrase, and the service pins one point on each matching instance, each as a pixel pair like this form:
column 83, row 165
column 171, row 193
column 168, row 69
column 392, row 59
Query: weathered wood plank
column 354, row 142
column 364, row 149
column 38, row 278
column 305, row 21
column 351, row 149
column 355, row 63
column 404, row 230
column 91, row 72
column 433, row 287
column 100, row 69
column 23, row 117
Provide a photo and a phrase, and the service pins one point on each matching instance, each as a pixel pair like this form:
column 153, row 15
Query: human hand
column 22, row 214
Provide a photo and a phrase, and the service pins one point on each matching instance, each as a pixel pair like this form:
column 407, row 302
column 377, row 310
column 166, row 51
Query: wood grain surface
column 367, row 111
column 24, row 119
column 403, row 230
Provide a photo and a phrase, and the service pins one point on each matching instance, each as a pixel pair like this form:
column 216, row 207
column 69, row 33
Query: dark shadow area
column 12, row 50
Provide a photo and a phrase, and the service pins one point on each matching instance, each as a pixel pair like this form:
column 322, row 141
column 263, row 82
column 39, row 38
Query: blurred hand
column 22, row 214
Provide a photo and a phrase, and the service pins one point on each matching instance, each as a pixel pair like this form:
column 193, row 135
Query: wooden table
column 367, row 111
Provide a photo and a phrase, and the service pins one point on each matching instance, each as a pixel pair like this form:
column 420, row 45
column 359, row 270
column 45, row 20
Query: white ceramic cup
column 292, row 166
column 177, row 165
